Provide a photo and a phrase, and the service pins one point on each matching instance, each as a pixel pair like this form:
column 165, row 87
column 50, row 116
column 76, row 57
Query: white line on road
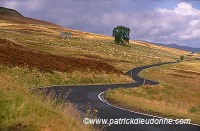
column 101, row 98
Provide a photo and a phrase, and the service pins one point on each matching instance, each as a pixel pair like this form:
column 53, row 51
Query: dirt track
column 16, row 55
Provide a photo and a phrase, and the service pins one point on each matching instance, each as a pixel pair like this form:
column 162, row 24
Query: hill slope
column 10, row 12
column 93, row 52
column 15, row 17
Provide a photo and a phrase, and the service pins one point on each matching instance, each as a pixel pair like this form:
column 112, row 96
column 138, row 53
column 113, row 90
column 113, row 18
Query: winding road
column 87, row 95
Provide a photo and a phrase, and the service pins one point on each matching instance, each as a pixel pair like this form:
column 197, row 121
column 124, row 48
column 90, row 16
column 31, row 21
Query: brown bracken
column 14, row 55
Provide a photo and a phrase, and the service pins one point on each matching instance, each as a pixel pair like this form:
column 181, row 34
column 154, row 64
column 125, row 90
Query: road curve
column 87, row 95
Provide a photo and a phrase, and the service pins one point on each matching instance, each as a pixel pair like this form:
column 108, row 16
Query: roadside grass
column 36, row 78
column 177, row 96
column 21, row 110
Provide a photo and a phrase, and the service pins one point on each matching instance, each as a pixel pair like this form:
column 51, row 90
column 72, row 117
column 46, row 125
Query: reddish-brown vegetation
column 16, row 55
column 25, row 20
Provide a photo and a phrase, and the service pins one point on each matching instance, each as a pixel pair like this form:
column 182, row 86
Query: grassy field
column 177, row 96
column 87, row 45
column 35, row 68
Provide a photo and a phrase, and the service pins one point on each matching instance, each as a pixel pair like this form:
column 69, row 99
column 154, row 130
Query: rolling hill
column 15, row 17
column 175, row 46
column 187, row 48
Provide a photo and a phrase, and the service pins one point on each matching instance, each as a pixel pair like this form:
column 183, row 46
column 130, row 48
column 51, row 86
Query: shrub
column 181, row 57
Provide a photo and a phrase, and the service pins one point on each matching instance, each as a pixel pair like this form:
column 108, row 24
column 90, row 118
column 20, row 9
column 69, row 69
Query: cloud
column 11, row 4
column 32, row 5
column 182, row 8
column 184, row 21
column 155, row 22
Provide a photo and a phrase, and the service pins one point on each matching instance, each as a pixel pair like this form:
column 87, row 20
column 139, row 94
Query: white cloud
column 186, row 9
column 179, row 24
column 194, row 35
column 182, row 8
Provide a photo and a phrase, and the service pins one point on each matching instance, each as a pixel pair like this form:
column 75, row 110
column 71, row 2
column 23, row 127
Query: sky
column 159, row 21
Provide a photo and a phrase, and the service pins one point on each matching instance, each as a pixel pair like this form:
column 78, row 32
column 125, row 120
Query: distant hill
column 16, row 17
column 187, row 48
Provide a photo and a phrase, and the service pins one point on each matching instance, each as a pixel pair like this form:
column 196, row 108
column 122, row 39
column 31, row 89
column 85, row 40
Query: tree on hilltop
column 121, row 34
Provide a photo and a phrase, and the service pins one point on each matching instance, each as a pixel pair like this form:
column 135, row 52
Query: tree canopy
column 121, row 34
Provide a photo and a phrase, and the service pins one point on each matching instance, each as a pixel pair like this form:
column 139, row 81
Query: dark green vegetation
column 10, row 12
column 121, row 35
column 182, row 57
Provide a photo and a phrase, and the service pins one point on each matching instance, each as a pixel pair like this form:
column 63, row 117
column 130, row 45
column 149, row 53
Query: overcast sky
column 164, row 21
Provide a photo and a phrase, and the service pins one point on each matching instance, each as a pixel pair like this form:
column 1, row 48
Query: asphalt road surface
column 85, row 96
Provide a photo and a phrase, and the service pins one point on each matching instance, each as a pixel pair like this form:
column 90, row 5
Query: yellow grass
column 46, row 38
column 21, row 110
column 177, row 96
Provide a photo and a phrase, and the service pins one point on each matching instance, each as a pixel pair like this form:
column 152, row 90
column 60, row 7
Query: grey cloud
column 101, row 16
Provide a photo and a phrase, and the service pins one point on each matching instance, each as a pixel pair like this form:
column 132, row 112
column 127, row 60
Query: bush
column 181, row 57
column 193, row 109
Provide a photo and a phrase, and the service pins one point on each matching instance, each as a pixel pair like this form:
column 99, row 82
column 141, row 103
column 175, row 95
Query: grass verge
column 177, row 96
column 35, row 78
column 21, row 110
